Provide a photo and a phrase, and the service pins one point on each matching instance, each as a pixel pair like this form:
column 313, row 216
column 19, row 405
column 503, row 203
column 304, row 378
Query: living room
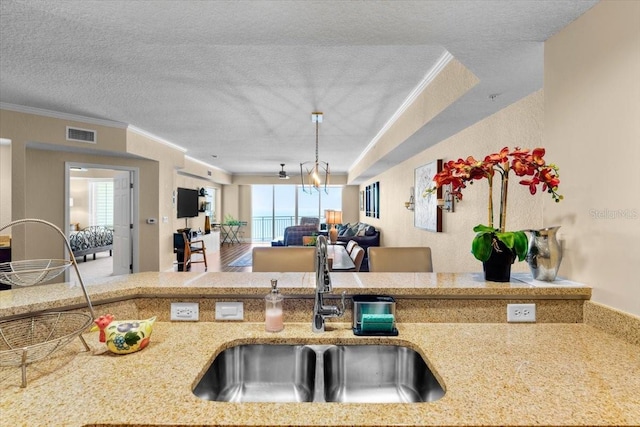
column 550, row 117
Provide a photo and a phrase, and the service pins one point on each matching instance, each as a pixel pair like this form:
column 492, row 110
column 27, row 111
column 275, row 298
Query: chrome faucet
column 323, row 286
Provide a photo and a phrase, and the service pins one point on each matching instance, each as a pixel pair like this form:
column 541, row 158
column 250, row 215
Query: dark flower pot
column 498, row 267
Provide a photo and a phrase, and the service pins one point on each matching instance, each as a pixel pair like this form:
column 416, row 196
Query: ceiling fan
column 283, row 174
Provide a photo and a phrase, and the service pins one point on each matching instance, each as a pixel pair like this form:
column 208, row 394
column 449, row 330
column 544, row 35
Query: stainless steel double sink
column 319, row 373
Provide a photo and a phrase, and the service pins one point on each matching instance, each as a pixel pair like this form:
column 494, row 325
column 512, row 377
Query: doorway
column 103, row 195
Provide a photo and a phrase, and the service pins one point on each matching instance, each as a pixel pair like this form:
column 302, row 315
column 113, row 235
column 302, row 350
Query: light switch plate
column 229, row 311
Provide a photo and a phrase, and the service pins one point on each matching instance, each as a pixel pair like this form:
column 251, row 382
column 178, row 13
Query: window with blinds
column 101, row 203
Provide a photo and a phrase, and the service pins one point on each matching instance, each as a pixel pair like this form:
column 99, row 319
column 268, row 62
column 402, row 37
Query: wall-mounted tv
column 187, row 203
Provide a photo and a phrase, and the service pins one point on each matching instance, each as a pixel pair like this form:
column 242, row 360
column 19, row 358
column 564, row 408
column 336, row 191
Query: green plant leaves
column 230, row 220
column 482, row 244
column 484, row 228
column 521, row 244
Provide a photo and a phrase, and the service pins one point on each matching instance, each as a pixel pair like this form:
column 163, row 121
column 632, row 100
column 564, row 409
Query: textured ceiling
column 240, row 79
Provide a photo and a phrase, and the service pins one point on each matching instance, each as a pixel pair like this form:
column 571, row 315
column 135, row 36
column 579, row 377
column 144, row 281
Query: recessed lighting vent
column 82, row 135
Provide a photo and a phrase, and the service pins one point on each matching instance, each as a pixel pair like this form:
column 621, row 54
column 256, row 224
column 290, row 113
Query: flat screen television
column 187, row 203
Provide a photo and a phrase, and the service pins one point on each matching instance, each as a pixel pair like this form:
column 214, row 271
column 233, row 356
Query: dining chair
column 350, row 245
column 283, row 259
column 198, row 247
column 357, row 255
column 400, row 259
column 185, row 264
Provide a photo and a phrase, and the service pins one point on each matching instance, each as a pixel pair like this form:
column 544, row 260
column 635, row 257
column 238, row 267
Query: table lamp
column 333, row 218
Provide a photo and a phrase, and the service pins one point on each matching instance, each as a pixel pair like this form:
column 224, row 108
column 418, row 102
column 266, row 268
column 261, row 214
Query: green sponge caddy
column 374, row 315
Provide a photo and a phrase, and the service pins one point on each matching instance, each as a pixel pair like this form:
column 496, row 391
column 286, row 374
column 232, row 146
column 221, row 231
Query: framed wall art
column 372, row 200
column 426, row 214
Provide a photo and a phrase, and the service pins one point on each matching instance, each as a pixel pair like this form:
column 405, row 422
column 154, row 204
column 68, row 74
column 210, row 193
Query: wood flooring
column 218, row 261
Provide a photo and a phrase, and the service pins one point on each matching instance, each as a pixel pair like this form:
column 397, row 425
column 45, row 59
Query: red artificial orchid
column 523, row 162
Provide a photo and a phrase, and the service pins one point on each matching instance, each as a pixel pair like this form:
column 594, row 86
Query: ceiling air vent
column 82, row 135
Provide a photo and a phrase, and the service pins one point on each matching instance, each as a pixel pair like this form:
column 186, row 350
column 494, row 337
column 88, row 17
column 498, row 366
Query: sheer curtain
column 101, row 202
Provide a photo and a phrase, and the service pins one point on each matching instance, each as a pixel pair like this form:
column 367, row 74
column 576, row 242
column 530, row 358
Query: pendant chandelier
column 315, row 170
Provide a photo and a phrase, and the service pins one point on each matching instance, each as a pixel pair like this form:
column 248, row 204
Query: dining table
column 339, row 259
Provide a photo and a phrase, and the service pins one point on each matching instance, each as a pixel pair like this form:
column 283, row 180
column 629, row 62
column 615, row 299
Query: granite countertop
column 156, row 285
column 494, row 374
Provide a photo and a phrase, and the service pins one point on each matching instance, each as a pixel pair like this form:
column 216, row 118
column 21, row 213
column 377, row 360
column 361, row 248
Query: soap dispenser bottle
column 274, row 321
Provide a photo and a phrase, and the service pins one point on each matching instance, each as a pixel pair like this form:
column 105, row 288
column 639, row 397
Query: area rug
column 243, row 261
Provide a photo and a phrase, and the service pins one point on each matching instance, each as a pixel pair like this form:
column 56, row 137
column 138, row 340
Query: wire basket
column 32, row 272
column 31, row 338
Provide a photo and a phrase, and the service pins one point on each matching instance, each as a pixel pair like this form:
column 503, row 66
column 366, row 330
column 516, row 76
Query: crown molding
column 206, row 164
column 426, row 81
column 156, row 138
column 62, row 116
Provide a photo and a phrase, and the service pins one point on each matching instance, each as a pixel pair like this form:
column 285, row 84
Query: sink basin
column 260, row 373
column 378, row 374
column 319, row 373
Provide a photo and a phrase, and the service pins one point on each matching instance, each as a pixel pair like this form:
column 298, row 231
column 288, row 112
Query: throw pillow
column 361, row 230
column 354, row 228
column 370, row 231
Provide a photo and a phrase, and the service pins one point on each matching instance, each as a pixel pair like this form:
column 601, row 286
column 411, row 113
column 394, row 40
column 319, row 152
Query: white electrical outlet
column 184, row 311
column 521, row 312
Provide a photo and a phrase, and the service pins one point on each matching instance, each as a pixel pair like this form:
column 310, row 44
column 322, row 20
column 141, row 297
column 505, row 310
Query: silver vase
column 545, row 254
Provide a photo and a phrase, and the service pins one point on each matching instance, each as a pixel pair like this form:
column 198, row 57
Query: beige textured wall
column 350, row 203
column 157, row 195
column 37, row 178
column 592, row 124
column 45, row 186
column 518, row 124
column 29, row 129
column 28, row 200
column 5, row 184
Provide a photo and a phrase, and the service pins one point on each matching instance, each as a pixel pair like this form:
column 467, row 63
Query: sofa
column 293, row 234
column 90, row 241
column 309, row 226
column 364, row 234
